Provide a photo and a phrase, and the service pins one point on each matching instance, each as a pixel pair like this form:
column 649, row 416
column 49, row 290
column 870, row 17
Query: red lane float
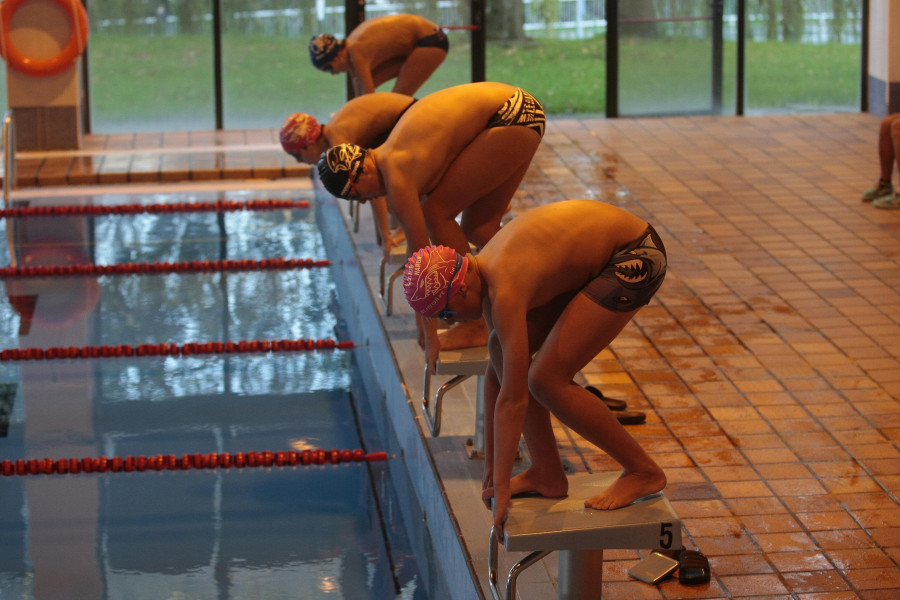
column 193, row 266
column 170, row 462
column 68, row 210
column 54, row 65
column 171, row 349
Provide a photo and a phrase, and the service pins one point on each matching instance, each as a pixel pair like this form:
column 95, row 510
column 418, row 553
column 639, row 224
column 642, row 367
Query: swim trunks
column 632, row 276
column 438, row 39
column 521, row 109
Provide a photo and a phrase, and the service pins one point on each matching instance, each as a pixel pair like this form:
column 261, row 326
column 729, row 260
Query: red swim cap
column 432, row 276
column 299, row 131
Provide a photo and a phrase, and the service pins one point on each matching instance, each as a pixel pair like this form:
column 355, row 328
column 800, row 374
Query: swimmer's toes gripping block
column 542, row 525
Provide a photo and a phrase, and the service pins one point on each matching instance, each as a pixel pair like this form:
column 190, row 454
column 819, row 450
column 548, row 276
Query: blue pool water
column 321, row 531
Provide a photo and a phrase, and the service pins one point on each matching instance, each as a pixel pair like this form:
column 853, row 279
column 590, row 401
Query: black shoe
column 612, row 403
column 693, row 566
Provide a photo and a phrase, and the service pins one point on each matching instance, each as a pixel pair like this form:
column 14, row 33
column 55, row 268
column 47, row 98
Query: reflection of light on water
column 301, row 445
column 328, row 584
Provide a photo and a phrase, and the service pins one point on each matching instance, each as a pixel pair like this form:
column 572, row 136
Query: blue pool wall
column 432, row 531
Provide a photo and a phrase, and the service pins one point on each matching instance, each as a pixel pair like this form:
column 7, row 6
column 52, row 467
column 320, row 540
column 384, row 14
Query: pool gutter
column 436, row 536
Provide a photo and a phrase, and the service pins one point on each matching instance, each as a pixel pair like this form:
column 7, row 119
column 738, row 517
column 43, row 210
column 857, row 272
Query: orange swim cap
column 298, row 132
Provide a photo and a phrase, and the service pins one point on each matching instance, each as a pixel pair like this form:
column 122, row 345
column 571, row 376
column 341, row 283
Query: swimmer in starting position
column 460, row 151
column 364, row 120
column 552, row 303
column 408, row 47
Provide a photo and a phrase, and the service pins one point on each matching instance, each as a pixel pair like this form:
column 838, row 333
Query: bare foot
column 547, row 485
column 626, row 489
column 467, row 334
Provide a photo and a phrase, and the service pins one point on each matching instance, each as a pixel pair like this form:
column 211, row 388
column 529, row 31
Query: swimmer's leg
column 582, row 331
column 417, row 68
column 546, row 475
column 479, row 184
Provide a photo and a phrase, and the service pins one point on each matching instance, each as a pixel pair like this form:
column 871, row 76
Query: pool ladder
column 8, row 141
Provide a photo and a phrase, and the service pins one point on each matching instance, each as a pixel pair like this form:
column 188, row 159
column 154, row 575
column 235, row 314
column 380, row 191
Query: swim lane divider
column 189, row 348
column 74, row 210
column 192, row 266
column 170, row 462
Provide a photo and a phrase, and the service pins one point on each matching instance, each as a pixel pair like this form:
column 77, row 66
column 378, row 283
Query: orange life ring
column 50, row 66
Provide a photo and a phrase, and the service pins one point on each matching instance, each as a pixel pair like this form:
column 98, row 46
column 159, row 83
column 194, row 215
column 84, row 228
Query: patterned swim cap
column 432, row 276
column 298, row 132
column 340, row 167
column 323, row 48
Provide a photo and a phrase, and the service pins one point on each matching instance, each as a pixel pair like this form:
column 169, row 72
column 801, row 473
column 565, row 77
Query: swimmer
column 461, row 151
column 365, row 120
column 552, row 303
column 406, row 47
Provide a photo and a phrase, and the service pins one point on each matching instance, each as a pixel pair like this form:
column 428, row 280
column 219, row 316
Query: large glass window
column 802, row 56
column 151, row 66
column 670, row 57
column 151, row 63
column 267, row 72
column 555, row 49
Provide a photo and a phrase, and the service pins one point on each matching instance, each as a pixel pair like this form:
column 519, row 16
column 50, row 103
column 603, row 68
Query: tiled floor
column 768, row 364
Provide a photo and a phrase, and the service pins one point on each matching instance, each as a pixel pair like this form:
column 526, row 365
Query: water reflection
column 311, row 532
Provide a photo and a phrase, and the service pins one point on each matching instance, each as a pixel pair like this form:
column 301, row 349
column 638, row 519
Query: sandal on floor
column 627, row 417
column 612, row 403
column 693, row 566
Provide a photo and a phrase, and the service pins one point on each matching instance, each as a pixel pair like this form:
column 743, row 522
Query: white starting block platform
column 542, row 525
column 462, row 364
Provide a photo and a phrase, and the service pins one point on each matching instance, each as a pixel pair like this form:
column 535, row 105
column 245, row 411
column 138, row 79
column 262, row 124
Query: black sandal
column 612, row 403
column 693, row 566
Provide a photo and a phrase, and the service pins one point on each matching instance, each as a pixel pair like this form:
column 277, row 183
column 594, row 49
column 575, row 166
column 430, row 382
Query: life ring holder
column 51, row 66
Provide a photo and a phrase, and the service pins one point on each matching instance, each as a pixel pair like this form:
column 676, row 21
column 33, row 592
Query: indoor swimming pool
column 141, row 454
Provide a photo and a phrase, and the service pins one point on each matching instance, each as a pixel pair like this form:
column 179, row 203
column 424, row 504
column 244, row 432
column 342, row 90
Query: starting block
column 397, row 257
column 542, row 525
column 462, row 364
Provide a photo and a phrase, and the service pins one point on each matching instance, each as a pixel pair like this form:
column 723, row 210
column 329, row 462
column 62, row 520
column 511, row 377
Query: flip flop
column 612, row 403
column 693, row 566
column 627, row 417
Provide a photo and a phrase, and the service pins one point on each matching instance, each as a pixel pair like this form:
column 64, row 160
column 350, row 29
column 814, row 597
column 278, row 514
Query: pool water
column 314, row 531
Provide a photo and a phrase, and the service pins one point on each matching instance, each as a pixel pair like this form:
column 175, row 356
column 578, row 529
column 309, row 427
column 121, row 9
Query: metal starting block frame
column 397, row 257
column 462, row 364
column 542, row 525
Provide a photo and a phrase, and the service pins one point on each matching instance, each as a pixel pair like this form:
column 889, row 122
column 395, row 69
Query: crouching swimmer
column 556, row 285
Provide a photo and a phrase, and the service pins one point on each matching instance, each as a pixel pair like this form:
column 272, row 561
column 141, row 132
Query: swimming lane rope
column 170, row 462
column 192, row 266
column 69, row 210
column 186, row 349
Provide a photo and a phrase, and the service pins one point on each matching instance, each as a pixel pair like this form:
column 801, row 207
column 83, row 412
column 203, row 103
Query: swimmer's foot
column 531, row 483
column 628, row 488
column 467, row 334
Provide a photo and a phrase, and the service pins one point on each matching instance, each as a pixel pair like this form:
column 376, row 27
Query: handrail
column 8, row 141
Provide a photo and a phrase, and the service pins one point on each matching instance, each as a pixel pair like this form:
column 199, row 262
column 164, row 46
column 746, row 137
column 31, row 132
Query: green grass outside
column 165, row 83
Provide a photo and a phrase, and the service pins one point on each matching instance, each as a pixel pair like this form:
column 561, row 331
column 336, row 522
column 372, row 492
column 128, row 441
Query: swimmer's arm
column 403, row 202
column 361, row 68
column 508, row 315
